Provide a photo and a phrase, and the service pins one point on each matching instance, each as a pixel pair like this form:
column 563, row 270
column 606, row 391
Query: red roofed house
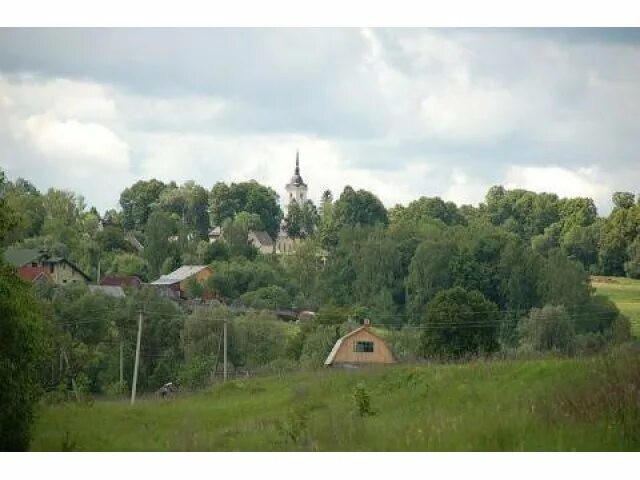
column 128, row 281
column 33, row 274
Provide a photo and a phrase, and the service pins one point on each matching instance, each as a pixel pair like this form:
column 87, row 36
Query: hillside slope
column 507, row 405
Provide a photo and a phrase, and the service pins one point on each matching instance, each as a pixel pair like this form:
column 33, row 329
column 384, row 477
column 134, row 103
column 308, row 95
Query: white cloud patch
column 464, row 190
column 582, row 182
column 83, row 147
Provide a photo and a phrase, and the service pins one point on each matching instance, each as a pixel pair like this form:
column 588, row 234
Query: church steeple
column 296, row 188
column 296, row 180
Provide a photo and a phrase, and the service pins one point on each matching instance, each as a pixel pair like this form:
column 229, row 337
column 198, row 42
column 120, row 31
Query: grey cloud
column 566, row 97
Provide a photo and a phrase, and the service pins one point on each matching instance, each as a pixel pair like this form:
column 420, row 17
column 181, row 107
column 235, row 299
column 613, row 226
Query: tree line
column 437, row 280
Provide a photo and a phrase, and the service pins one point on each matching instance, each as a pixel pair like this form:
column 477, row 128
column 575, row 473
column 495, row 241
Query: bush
column 272, row 298
column 197, row 372
column 362, row 401
column 460, row 323
column 405, row 344
column 22, row 348
column 257, row 340
column 548, row 328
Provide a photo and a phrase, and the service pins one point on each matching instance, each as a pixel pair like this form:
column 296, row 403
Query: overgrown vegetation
column 537, row 405
column 440, row 282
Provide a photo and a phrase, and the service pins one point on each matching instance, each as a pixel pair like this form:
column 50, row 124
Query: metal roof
column 179, row 275
column 21, row 256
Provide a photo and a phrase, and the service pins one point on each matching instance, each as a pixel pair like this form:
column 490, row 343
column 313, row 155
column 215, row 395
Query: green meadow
column 625, row 293
column 533, row 405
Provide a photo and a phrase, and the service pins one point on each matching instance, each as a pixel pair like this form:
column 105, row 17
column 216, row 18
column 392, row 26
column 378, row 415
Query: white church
column 296, row 191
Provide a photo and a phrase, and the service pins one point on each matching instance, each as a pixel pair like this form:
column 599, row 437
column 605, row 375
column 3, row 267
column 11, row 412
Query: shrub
column 548, row 328
column 459, row 323
column 22, row 348
column 362, row 401
column 196, row 372
column 272, row 298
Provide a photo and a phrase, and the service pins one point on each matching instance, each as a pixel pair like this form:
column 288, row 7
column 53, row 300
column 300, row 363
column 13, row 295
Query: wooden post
column 225, row 350
column 137, row 362
column 121, row 363
column 73, row 380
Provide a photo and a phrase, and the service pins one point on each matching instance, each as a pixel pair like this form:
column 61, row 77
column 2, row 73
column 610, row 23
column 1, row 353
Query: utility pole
column 121, row 361
column 225, row 350
column 137, row 363
column 73, row 380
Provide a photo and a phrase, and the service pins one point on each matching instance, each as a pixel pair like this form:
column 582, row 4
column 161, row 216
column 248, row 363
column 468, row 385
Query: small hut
column 359, row 347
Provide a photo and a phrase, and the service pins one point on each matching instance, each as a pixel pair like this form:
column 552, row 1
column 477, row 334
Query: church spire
column 297, row 172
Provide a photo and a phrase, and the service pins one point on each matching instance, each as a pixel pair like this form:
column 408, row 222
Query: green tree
column 226, row 201
column 26, row 202
column 632, row 266
column 563, row 281
column 359, row 208
column 157, row 246
column 137, row 202
column 189, row 205
column 429, row 208
column 429, row 272
column 272, row 297
column 130, row 264
column 458, row 322
column 22, row 349
column 550, row 328
column 623, row 199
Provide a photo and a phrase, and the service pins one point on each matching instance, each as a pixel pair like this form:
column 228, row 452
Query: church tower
column 296, row 188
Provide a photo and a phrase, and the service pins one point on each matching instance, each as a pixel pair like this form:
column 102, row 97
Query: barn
column 360, row 347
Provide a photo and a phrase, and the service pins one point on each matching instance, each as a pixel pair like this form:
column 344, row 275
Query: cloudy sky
column 402, row 113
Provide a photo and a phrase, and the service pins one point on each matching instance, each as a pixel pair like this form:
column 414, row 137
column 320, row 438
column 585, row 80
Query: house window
column 51, row 268
column 363, row 347
column 34, row 264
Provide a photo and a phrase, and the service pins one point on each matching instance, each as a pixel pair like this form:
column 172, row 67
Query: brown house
column 124, row 281
column 175, row 284
column 360, row 347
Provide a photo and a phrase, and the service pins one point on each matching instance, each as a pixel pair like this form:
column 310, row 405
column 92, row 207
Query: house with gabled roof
column 124, row 281
column 360, row 347
column 175, row 284
column 33, row 274
column 262, row 241
column 59, row 269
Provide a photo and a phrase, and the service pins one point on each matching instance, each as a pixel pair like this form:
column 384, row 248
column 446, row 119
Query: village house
column 33, row 274
column 59, row 269
column 123, row 281
column 262, row 241
column 360, row 347
column 175, row 284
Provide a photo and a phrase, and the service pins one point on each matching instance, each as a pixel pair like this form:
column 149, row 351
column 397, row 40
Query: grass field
column 500, row 405
column 625, row 292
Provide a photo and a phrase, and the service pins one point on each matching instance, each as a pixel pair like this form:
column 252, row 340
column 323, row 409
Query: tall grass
column 545, row 404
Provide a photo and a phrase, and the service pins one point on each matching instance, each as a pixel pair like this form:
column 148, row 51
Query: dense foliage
column 23, row 346
column 440, row 281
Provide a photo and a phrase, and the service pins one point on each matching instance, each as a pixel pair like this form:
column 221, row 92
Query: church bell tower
column 296, row 188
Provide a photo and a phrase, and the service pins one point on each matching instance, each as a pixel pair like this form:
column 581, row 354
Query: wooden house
column 175, row 284
column 59, row 269
column 360, row 347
